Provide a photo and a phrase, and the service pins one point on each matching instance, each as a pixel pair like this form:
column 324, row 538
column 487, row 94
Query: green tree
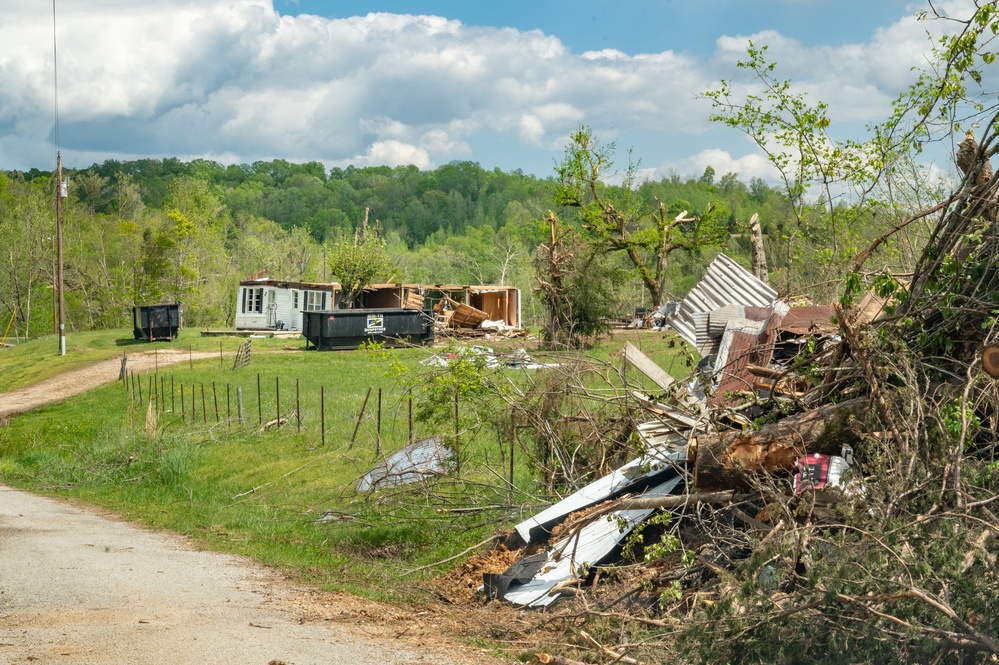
column 615, row 221
column 27, row 225
column 827, row 182
column 357, row 262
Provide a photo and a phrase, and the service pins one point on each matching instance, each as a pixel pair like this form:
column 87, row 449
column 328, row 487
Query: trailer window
column 253, row 300
column 315, row 301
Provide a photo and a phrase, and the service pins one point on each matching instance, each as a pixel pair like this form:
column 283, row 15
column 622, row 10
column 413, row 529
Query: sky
column 390, row 82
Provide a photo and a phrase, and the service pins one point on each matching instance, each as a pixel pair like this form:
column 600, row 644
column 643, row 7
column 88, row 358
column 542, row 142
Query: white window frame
column 314, row 301
column 253, row 300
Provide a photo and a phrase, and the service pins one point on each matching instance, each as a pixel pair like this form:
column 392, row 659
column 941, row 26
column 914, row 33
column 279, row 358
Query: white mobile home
column 271, row 304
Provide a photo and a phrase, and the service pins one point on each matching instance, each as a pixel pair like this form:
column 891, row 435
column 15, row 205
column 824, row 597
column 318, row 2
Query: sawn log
column 723, row 461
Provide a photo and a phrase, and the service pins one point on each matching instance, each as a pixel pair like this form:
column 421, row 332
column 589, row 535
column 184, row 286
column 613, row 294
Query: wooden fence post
column 378, row 427
column 357, row 425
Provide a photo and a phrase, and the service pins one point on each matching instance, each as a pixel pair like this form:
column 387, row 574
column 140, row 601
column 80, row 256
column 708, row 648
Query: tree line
column 151, row 230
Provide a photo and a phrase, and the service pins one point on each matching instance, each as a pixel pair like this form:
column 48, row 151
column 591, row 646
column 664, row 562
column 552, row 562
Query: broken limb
column 850, row 333
column 607, row 651
column 549, row 659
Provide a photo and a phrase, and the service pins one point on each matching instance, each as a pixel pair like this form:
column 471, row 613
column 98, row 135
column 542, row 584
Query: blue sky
column 392, row 82
column 644, row 26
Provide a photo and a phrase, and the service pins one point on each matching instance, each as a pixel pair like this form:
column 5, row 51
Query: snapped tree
column 615, row 221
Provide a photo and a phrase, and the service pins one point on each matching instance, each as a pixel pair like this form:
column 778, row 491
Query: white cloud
column 747, row 167
column 233, row 78
column 391, row 153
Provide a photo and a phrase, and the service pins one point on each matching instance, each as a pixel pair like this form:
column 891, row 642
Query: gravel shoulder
column 77, row 587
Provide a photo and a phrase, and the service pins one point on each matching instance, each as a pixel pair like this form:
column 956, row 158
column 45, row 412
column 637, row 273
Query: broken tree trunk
column 756, row 244
column 723, row 461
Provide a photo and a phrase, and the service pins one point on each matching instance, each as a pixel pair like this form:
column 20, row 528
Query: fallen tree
column 723, row 461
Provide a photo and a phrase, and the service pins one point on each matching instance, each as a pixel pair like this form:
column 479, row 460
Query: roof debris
column 417, row 461
column 692, row 432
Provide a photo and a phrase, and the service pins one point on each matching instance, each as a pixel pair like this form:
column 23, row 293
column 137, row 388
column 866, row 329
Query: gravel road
column 79, row 381
column 79, row 588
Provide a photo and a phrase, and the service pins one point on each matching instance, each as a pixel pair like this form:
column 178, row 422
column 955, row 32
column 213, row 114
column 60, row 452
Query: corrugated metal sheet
column 744, row 343
column 703, row 341
column 589, row 546
column 634, row 474
column 659, row 435
column 718, row 319
column 724, row 283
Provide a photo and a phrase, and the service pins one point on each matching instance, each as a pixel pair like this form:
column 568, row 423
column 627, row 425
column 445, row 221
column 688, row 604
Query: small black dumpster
column 349, row 328
column 156, row 322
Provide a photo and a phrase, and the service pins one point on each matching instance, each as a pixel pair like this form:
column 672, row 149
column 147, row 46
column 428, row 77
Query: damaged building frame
column 263, row 303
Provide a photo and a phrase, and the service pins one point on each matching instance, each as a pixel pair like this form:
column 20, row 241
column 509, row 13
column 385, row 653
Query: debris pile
column 516, row 359
column 461, row 320
column 800, row 422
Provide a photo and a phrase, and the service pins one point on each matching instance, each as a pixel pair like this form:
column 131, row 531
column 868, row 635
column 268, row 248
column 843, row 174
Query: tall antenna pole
column 60, row 285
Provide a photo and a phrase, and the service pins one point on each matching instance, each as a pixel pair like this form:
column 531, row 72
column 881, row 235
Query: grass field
column 178, row 458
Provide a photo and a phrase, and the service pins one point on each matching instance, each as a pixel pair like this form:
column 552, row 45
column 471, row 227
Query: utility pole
column 60, row 192
column 60, row 287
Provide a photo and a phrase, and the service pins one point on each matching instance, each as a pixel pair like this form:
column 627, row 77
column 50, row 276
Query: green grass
column 258, row 491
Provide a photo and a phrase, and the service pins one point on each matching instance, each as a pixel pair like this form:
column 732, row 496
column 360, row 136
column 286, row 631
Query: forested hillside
column 149, row 231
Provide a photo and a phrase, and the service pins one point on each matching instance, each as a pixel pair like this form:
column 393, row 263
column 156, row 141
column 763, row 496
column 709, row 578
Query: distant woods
column 149, row 231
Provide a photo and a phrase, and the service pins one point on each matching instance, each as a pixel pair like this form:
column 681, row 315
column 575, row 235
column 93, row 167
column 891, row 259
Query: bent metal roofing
column 725, row 282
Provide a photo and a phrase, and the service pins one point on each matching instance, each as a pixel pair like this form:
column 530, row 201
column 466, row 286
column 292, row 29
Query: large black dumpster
column 349, row 328
column 156, row 322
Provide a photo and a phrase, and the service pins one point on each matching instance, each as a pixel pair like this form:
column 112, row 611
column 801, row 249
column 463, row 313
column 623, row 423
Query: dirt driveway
column 77, row 588
column 80, row 381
